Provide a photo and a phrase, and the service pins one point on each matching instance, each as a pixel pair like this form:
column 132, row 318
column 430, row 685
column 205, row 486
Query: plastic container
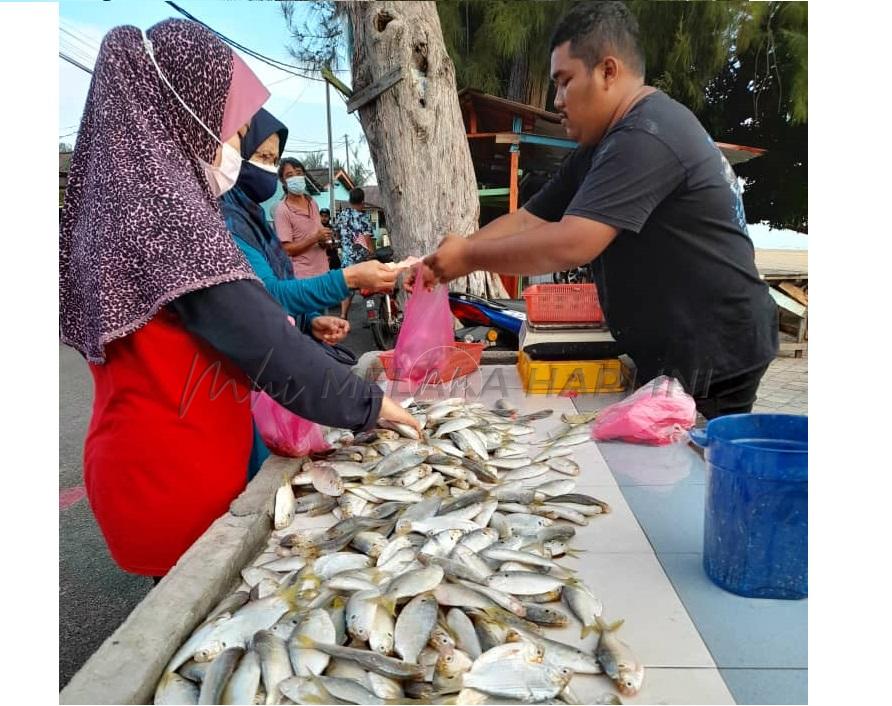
column 755, row 539
column 547, row 377
column 563, row 303
column 464, row 360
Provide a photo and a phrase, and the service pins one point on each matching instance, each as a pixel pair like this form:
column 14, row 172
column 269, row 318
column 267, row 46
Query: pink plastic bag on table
column 284, row 432
column 426, row 337
column 659, row 413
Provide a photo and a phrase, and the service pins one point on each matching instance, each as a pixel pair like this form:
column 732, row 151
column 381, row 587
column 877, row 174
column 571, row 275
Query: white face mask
column 296, row 185
column 221, row 179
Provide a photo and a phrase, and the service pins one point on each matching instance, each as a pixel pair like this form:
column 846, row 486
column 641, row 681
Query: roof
column 496, row 114
column 320, row 178
column 782, row 264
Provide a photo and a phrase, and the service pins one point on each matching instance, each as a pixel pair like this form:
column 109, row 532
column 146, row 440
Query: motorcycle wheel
column 384, row 334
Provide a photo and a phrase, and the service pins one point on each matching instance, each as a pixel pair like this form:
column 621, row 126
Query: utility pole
column 347, row 148
column 332, row 207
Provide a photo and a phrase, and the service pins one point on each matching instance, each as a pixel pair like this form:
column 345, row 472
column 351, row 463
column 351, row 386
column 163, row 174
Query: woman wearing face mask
column 298, row 223
column 262, row 147
column 163, row 305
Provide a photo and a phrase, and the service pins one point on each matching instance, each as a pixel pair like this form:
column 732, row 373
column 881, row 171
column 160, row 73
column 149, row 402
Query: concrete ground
column 95, row 596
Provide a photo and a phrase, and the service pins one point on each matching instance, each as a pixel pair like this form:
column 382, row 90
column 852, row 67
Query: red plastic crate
column 464, row 360
column 563, row 303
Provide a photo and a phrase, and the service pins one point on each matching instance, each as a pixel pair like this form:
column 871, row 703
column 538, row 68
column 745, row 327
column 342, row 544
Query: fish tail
column 387, row 603
column 574, row 553
column 305, row 641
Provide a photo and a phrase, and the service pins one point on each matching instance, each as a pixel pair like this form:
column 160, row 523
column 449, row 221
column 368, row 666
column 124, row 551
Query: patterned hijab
column 140, row 225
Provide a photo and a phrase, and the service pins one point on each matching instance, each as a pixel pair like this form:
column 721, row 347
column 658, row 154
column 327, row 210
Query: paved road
column 95, row 596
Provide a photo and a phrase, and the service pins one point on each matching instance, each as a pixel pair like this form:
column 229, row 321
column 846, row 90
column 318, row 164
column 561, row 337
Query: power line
column 275, row 63
column 74, row 62
column 80, row 38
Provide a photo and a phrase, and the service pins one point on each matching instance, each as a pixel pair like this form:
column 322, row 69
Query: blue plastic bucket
column 755, row 539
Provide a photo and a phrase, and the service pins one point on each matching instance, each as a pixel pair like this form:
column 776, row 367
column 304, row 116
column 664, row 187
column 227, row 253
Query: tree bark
column 525, row 85
column 415, row 132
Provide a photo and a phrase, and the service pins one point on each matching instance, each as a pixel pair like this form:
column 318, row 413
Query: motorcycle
column 383, row 312
column 496, row 322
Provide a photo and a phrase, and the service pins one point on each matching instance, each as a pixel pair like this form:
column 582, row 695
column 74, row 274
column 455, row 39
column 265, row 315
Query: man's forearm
column 509, row 224
column 551, row 247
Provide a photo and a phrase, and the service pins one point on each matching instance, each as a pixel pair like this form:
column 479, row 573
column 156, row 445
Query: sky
column 297, row 102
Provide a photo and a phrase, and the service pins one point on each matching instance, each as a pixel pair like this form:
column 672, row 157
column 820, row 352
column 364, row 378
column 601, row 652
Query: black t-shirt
column 678, row 284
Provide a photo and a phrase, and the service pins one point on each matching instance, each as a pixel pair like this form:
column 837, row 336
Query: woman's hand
column 370, row 275
column 392, row 412
column 330, row 329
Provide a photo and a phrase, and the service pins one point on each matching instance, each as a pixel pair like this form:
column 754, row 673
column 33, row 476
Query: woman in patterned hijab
column 161, row 302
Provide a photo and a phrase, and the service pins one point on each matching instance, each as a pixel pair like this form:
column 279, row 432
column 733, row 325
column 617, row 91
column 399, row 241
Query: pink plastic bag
column 659, row 413
column 284, row 432
column 426, row 336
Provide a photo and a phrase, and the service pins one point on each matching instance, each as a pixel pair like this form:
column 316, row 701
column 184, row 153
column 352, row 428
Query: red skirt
column 168, row 445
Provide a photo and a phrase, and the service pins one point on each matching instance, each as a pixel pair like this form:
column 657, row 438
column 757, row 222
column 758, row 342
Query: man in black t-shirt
column 652, row 201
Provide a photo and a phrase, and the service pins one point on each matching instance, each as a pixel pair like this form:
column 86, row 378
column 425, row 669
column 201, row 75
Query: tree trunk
column 415, row 132
column 525, row 85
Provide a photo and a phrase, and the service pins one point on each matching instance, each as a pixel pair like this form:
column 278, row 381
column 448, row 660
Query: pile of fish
column 435, row 584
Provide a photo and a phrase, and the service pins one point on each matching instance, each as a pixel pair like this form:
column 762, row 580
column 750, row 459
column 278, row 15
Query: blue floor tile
column 670, row 515
column 767, row 686
column 740, row 632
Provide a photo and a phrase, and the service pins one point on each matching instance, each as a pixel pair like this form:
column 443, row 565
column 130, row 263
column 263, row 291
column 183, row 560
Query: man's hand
column 323, row 234
column 451, row 260
column 329, row 329
column 427, row 278
column 370, row 275
column 392, row 412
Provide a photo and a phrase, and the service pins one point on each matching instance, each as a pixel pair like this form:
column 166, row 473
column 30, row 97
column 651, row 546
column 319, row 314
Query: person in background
column 157, row 297
column 650, row 199
column 334, row 260
column 261, row 149
column 354, row 230
column 298, row 223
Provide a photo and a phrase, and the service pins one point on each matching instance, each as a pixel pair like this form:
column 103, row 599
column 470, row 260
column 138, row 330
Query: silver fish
column 545, row 615
column 218, row 675
column 275, row 664
column 510, row 462
column 284, row 506
column 326, row 480
column 442, row 543
column 557, row 653
column 470, row 444
column 381, row 635
column 319, row 626
column 559, row 512
column 579, row 499
column 414, row 625
column 526, row 525
column 196, row 641
column 411, row 584
column 194, row 671
column 618, row 661
column 519, row 556
column 470, row 558
column 174, row 689
column 465, row 635
column 454, row 569
column 385, row 687
column 584, row 604
column 522, row 583
column 289, row 563
column 405, row 457
column 450, row 594
column 500, row 598
column 551, row 452
column 533, row 470
column 331, row 564
column 370, row 543
column 244, row 682
column 555, row 487
column 434, row 525
column 360, row 614
column 529, row 681
column 387, row 666
column 396, row 493
column 454, row 425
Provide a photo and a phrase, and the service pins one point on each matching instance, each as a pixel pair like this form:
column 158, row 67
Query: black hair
column 324, row 211
column 297, row 164
column 357, row 196
column 597, row 29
